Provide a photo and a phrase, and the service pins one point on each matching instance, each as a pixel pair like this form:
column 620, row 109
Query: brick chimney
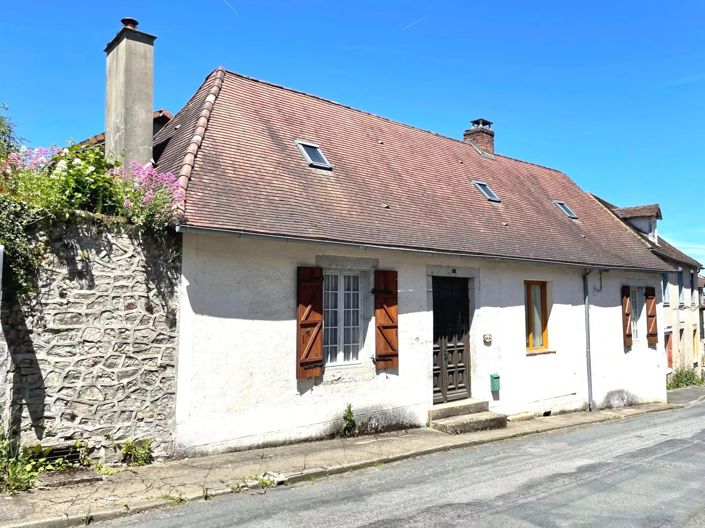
column 481, row 135
column 129, row 97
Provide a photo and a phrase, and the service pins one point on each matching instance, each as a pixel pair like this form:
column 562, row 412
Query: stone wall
column 92, row 356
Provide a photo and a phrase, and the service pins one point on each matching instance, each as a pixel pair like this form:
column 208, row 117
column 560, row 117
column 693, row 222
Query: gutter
column 588, row 354
column 182, row 228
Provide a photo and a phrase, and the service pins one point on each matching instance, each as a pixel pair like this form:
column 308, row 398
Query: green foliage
column 683, row 377
column 349, row 425
column 75, row 179
column 174, row 500
column 137, row 452
column 20, row 466
column 22, row 257
column 9, row 142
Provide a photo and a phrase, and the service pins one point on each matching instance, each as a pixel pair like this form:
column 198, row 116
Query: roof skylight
column 313, row 155
column 566, row 210
column 486, row 191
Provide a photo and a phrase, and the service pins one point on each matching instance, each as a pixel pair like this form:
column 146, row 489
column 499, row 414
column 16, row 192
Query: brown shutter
column 651, row 326
column 386, row 319
column 626, row 316
column 309, row 319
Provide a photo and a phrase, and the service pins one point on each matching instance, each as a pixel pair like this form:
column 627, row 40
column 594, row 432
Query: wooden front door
column 451, row 341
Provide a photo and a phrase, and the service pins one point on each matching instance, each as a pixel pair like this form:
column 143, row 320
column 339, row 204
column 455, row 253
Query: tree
column 9, row 142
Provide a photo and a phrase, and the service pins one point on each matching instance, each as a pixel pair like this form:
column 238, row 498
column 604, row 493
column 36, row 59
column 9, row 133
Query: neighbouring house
column 330, row 256
column 681, row 301
column 701, row 296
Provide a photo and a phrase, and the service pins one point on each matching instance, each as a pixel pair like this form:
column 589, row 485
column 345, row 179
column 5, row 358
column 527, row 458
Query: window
column 566, row 210
column 693, row 290
column 637, row 305
column 536, row 315
column 313, row 155
column 680, row 287
column 666, row 289
column 486, row 191
column 341, row 317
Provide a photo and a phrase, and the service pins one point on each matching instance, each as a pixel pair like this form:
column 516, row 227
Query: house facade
column 681, row 301
column 330, row 256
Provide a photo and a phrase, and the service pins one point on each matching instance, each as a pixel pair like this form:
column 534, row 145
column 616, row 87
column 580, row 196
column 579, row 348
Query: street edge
column 89, row 517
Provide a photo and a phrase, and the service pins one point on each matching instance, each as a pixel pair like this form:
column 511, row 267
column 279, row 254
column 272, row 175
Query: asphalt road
column 647, row 471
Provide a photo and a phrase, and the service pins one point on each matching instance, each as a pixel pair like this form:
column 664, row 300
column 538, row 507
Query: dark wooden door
column 451, row 342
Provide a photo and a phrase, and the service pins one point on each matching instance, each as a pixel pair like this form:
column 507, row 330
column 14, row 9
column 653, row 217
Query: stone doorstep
column 456, row 408
column 467, row 423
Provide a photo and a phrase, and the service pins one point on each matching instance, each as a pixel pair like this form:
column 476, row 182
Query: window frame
column 340, row 326
column 311, row 163
column 486, row 191
column 528, row 315
column 681, row 296
column 565, row 209
column 693, row 289
column 666, row 288
column 637, row 296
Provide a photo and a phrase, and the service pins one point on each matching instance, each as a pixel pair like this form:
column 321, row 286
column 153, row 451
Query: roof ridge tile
column 201, row 127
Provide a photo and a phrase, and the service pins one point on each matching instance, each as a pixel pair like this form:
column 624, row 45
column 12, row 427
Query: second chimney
column 129, row 94
column 481, row 135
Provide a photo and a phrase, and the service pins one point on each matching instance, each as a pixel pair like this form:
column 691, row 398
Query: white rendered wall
column 237, row 384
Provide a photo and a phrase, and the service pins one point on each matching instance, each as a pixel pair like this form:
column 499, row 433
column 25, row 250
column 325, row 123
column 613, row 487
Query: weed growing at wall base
column 683, row 378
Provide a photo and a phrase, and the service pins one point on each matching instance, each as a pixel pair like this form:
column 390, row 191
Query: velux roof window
column 566, row 210
column 313, row 155
column 486, row 191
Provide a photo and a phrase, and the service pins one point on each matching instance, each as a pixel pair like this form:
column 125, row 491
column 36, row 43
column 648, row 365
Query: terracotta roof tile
column 639, row 211
column 391, row 184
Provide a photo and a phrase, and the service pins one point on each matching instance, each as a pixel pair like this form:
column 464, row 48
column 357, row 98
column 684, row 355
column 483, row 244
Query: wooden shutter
column 626, row 316
column 386, row 320
column 309, row 320
column 651, row 326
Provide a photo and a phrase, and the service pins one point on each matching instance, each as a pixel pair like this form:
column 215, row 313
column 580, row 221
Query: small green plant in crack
column 349, row 424
column 206, row 493
column 174, row 500
column 87, row 518
column 137, row 452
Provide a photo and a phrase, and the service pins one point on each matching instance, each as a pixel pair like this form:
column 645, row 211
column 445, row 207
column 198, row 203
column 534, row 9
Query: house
column 329, row 257
column 681, row 301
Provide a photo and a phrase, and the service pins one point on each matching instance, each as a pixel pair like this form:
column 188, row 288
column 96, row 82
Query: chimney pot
column 129, row 23
column 480, row 135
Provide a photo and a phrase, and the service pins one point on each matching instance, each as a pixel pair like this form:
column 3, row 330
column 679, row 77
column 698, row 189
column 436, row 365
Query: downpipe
column 588, row 356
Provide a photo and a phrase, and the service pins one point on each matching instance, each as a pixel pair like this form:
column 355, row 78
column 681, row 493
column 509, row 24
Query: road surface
column 647, row 471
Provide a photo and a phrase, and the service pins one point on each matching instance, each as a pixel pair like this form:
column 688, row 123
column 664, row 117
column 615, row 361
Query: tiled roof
column 639, row 211
column 392, row 185
column 159, row 118
column 663, row 248
column 669, row 251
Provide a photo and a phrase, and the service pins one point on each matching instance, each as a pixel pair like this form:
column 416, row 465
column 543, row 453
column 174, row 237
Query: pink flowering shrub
column 59, row 181
column 148, row 196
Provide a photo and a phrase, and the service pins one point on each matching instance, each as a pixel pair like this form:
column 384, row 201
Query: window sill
column 539, row 351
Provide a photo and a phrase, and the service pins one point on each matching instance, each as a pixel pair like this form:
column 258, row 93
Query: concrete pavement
column 172, row 482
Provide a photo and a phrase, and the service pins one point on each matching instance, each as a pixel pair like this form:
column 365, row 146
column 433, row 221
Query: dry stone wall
column 92, row 356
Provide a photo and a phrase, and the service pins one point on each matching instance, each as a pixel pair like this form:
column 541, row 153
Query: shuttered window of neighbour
column 651, row 325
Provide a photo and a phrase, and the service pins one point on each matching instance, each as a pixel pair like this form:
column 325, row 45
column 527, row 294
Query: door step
column 468, row 406
column 468, row 423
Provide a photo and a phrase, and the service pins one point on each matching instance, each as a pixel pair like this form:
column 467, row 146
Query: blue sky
column 612, row 93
